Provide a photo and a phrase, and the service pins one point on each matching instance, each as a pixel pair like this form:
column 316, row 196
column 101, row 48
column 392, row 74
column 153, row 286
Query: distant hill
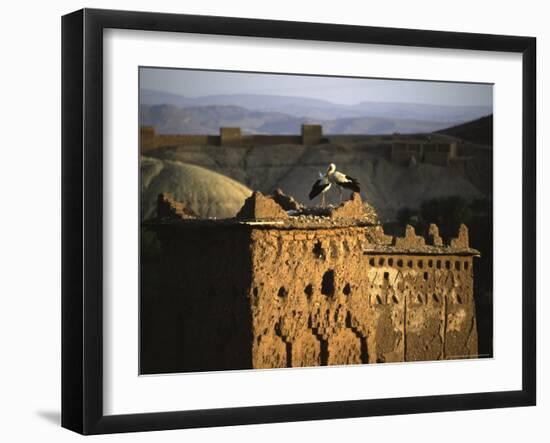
column 205, row 192
column 171, row 119
column 303, row 107
column 478, row 131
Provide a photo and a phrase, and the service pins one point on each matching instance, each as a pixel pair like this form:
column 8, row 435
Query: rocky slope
column 294, row 168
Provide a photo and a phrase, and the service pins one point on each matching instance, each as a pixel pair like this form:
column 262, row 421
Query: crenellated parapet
column 434, row 239
column 431, row 243
column 410, row 240
column 462, row 240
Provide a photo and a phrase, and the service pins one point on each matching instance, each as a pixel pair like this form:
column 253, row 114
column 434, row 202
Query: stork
column 341, row 180
column 321, row 186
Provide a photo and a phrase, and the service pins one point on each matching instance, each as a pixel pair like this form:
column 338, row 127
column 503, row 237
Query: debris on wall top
column 280, row 206
column 287, row 202
column 282, row 212
column 261, row 207
column 168, row 207
column 351, row 208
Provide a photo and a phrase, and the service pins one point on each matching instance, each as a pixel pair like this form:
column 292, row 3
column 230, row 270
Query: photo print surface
column 298, row 221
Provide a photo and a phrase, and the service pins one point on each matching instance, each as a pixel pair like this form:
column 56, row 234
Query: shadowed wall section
column 196, row 316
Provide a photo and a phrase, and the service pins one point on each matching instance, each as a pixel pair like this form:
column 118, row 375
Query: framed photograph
column 269, row 221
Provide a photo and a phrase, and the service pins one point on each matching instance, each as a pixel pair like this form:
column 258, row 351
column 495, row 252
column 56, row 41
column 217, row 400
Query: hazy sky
column 335, row 89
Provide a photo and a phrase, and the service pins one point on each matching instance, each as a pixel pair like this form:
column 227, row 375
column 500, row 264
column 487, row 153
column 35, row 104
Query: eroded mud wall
column 319, row 297
column 258, row 296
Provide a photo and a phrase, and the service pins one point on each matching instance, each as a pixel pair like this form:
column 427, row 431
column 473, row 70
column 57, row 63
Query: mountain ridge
column 171, row 119
column 306, row 107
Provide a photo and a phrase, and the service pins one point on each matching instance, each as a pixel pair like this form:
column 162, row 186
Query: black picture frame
column 82, row 218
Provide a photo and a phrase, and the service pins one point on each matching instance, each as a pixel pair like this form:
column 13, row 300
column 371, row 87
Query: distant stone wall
column 433, row 152
column 312, row 134
column 230, row 136
column 400, row 149
column 254, row 140
column 149, row 139
column 268, row 292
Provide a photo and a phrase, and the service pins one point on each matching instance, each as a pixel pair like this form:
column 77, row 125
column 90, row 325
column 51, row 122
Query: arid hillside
column 476, row 131
column 293, row 168
column 206, row 193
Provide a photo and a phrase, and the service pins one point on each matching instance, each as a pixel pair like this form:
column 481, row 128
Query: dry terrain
column 215, row 180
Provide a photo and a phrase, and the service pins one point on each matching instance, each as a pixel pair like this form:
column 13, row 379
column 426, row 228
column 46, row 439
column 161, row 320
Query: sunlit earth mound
column 206, row 193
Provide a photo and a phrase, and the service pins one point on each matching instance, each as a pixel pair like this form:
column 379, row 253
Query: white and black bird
column 343, row 181
column 321, row 186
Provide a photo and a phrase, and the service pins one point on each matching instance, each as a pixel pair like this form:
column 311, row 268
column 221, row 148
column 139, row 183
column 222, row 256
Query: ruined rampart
column 285, row 289
column 400, row 149
column 149, row 139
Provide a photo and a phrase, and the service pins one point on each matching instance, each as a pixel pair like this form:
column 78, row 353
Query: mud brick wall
column 321, row 298
column 242, row 295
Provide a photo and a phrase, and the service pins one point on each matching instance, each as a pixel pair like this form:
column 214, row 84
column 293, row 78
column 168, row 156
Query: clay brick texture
column 241, row 293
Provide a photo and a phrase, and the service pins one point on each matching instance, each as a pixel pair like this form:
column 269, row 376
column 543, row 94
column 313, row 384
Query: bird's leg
column 341, row 194
column 323, row 200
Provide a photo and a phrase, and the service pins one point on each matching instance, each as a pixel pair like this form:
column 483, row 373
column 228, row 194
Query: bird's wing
column 346, row 181
column 318, row 187
column 341, row 178
column 351, row 179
